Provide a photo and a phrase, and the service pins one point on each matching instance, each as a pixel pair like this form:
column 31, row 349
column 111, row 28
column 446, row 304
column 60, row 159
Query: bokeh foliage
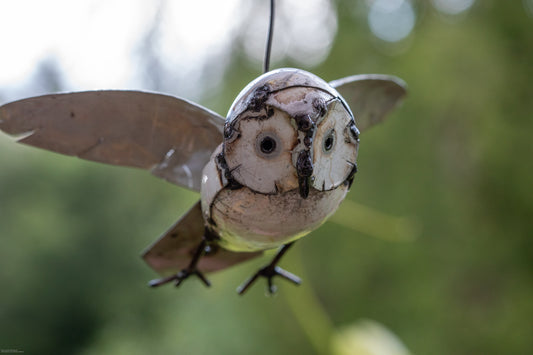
column 456, row 157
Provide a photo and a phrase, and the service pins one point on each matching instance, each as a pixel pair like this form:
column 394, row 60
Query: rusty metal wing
column 171, row 137
column 174, row 249
column 370, row 96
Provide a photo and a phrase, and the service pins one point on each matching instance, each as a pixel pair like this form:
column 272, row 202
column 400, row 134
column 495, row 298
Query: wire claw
column 184, row 274
column 269, row 272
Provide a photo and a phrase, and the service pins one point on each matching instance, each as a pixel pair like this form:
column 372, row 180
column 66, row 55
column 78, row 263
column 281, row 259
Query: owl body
column 285, row 165
column 246, row 220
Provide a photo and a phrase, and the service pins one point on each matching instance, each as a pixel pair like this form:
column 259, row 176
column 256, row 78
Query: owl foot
column 185, row 273
column 269, row 272
column 179, row 278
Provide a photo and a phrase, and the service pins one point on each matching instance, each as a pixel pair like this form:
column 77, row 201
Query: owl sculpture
column 272, row 171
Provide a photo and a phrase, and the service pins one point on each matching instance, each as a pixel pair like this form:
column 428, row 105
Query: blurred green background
column 456, row 158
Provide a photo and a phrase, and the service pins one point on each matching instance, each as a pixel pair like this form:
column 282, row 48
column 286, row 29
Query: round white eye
column 334, row 150
column 329, row 141
column 267, row 145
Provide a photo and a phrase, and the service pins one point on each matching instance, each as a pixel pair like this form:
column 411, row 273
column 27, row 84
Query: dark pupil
column 268, row 145
column 328, row 144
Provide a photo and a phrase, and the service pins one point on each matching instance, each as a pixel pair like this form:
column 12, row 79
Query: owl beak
column 304, row 183
column 304, row 168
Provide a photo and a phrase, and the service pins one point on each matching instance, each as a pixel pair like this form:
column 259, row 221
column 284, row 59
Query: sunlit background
column 431, row 254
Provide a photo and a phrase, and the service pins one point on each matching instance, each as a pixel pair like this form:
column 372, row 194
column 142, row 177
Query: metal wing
column 370, row 96
column 174, row 249
column 171, row 137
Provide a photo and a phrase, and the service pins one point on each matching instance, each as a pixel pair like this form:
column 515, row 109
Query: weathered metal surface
column 334, row 149
column 264, row 171
column 371, row 96
column 274, row 148
column 273, row 81
column 250, row 221
column 172, row 137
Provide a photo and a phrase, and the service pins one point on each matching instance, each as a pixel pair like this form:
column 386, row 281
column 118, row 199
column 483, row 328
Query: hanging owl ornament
column 271, row 172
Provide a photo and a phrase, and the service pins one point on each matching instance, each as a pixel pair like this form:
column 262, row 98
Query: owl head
column 289, row 129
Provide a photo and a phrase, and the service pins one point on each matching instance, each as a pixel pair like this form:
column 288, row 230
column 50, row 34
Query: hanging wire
column 269, row 38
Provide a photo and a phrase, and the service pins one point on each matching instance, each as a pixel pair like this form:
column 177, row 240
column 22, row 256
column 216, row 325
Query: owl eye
column 329, row 141
column 267, row 145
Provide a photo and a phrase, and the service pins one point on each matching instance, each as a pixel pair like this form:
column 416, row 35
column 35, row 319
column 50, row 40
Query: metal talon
column 184, row 274
column 201, row 276
column 162, row 281
column 244, row 287
column 288, row 276
column 271, row 287
column 269, row 272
